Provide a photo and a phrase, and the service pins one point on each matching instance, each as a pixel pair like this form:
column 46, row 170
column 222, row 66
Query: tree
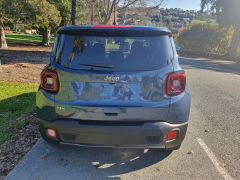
column 105, row 8
column 3, row 43
column 39, row 14
column 83, row 12
column 228, row 15
column 64, row 7
column 6, row 14
column 46, row 18
column 143, row 9
column 16, row 11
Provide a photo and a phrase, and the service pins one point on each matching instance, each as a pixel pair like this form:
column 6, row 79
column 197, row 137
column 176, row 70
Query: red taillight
column 50, row 81
column 176, row 84
column 172, row 135
column 51, row 133
column 111, row 27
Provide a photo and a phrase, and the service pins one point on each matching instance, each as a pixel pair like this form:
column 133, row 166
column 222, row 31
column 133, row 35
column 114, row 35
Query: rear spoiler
column 113, row 32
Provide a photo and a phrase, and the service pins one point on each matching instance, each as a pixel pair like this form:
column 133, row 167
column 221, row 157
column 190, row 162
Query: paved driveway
column 211, row 149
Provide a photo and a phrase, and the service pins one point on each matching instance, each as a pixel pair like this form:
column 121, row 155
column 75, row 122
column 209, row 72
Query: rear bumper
column 115, row 134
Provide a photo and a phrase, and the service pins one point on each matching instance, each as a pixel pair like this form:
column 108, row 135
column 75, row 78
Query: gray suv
column 114, row 86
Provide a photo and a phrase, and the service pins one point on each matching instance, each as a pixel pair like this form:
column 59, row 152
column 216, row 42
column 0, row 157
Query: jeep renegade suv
column 114, row 86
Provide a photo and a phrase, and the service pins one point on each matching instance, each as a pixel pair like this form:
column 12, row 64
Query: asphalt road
column 211, row 149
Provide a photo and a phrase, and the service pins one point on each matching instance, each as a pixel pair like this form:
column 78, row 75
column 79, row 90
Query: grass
column 23, row 38
column 16, row 101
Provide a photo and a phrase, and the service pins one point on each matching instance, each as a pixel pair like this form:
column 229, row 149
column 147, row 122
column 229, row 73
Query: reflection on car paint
column 128, row 88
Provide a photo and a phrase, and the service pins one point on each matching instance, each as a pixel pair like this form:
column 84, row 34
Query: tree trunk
column 46, row 37
column 73, row 14
column 3, row 43
column 232, row 52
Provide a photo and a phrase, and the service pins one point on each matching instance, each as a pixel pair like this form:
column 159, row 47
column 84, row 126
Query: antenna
column 114, row 15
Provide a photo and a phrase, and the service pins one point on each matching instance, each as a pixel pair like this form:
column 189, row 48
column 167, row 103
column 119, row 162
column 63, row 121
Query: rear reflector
column 50, row 81
column 51, row 133
column 172, row 135
column 111, row 27
column 176, row 83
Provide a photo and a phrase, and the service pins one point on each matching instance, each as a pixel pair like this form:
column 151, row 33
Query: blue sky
column 183, row 4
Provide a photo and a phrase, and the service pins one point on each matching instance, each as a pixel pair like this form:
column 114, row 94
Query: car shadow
column 13, row 56
column 17, row 105
column 109, row 162
column 211, row 64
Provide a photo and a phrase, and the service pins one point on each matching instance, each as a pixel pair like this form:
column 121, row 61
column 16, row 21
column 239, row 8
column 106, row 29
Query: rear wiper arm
column 98, row 65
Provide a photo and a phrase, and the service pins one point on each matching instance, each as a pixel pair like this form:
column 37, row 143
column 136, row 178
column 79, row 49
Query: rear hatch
column 112, row 76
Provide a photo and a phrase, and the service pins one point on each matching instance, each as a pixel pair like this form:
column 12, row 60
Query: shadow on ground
column 32, row 55
column 12, row 112
column 211, row 64
column 112, row 162
column 70, row 162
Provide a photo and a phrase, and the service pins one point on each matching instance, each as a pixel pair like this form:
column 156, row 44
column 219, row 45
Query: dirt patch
column 21, row 64
column 13, row 150
column 21, row 72
column 24, row 63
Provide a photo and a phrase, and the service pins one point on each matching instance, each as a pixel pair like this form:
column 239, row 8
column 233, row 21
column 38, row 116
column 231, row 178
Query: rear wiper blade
column 98, row 65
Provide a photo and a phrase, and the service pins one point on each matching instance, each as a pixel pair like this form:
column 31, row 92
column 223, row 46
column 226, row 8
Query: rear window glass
column 112, row 53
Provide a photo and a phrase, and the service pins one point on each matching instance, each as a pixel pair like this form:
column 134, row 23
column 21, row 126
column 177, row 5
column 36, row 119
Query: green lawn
column 23, row 38
column 16, row 101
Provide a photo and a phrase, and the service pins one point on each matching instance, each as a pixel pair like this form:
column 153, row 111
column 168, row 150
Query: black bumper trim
column 147, row 135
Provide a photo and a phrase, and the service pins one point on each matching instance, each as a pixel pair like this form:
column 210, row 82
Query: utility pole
column 92, row 10
column 73, row 14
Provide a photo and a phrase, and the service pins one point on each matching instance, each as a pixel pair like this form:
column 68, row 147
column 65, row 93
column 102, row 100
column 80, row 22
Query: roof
column 114, row 30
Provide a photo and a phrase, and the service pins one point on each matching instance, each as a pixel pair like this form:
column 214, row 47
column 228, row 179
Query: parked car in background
column 178, row 49
column 114, row 86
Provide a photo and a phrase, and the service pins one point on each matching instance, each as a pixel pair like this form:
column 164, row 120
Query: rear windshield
column 112, row 53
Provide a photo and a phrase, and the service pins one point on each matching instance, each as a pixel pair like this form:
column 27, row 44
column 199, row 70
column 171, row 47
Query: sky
column 183, row 4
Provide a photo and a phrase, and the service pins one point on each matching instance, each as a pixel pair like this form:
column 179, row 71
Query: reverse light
column 50, row 81
column 51, row 133
column 172, row 135
column 176, row 83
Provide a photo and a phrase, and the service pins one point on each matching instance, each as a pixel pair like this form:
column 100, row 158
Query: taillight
column 176, row 83
column 172, row 135
column 50, row 81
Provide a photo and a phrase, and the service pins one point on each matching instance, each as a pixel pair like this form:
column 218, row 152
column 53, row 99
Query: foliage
column 227, row 11
column 204, row 36
column 228, row 15
column 16, row 11
column 64, row 7
column 46, row 15
column 16, row 100
column 104, row 9
column 40, row 15
column 83, row 11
